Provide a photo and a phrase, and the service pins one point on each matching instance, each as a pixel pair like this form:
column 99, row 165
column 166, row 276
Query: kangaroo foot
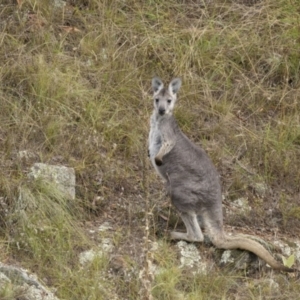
column 184, row 236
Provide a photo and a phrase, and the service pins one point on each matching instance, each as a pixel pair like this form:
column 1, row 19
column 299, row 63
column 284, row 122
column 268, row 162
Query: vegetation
column 75, row 90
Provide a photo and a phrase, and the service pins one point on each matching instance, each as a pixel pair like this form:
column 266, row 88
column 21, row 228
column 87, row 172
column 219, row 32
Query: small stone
column 104, row 227
column 106, row 246
column 189, row 254
column 242, row 204
column 260, row 188
column 59, row 3
column 226, row 257
column 29, row 283
column 88, row 256
column 285, row 249
column 238, row 259
column 25, row 154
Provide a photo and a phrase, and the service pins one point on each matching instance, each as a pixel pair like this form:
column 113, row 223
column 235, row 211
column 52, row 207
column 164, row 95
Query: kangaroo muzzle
column 161, row 111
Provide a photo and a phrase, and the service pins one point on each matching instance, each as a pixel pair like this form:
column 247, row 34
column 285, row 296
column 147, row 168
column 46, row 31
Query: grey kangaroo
column 191, row 178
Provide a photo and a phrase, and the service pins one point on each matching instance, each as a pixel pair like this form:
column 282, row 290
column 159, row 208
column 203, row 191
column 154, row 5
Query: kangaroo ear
column 175, row 85
column 157, row 84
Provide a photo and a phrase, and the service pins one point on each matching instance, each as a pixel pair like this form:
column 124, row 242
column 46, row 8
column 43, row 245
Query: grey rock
column 106, row 246
column 237, row 259
column 242, row 204
column 105, row 227
column 190, row 257
column 25, row 154
column 32, row 287
column 189, row 254
column 59, row 3
column 62, row 177
column 260, row 188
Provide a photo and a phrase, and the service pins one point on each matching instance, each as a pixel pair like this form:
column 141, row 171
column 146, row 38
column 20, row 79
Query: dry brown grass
column 74, row 90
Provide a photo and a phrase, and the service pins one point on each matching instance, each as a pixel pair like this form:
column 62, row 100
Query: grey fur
column 191, row 178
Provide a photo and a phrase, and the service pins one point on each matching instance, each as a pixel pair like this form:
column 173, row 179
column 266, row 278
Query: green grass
column 75, row 90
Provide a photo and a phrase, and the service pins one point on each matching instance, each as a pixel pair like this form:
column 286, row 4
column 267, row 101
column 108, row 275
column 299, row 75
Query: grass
column 75, row 90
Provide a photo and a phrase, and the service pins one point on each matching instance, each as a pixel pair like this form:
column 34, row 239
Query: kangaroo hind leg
column 194, row 233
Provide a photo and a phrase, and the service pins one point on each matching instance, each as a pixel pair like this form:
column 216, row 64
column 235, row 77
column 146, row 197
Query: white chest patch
column 155, row 140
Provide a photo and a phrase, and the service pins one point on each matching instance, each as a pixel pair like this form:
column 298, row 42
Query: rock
column 285, row 249
column 88, row 256
column 288, row 248
column 237, row 259
column 189, row 254
column 59, row 3
column 190, row 257
column 34, row 293
column 260, row 189
column 297, row 250
column 105, row 227
column 19, row 278
column 26, row 155
column 242, row 204
column 226, row 257
column 61, row 176
column 106, row 246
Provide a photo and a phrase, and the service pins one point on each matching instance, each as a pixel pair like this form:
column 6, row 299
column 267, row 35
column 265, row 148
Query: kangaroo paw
column 184, row 236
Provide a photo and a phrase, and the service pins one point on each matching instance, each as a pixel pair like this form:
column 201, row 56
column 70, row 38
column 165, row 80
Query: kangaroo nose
column 161, row 111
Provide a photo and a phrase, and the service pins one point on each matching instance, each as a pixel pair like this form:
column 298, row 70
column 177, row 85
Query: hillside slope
column 75, row 82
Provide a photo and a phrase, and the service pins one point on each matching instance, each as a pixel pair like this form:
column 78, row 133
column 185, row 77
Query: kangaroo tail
column 237, row 242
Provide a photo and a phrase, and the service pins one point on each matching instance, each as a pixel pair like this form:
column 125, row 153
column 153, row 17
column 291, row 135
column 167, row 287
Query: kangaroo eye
column 169, row 101
column 156, row 100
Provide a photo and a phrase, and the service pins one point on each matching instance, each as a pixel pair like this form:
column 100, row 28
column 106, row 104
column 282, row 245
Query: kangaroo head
column 164, row 99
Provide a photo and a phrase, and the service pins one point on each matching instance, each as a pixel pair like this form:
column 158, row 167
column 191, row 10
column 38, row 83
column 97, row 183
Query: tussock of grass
column 46, row 227
column 74, row 85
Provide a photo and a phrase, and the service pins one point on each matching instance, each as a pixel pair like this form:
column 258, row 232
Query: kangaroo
column 191, row 179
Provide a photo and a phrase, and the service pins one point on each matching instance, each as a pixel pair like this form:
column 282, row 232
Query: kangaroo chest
column 154, row 141
column 155, row 138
